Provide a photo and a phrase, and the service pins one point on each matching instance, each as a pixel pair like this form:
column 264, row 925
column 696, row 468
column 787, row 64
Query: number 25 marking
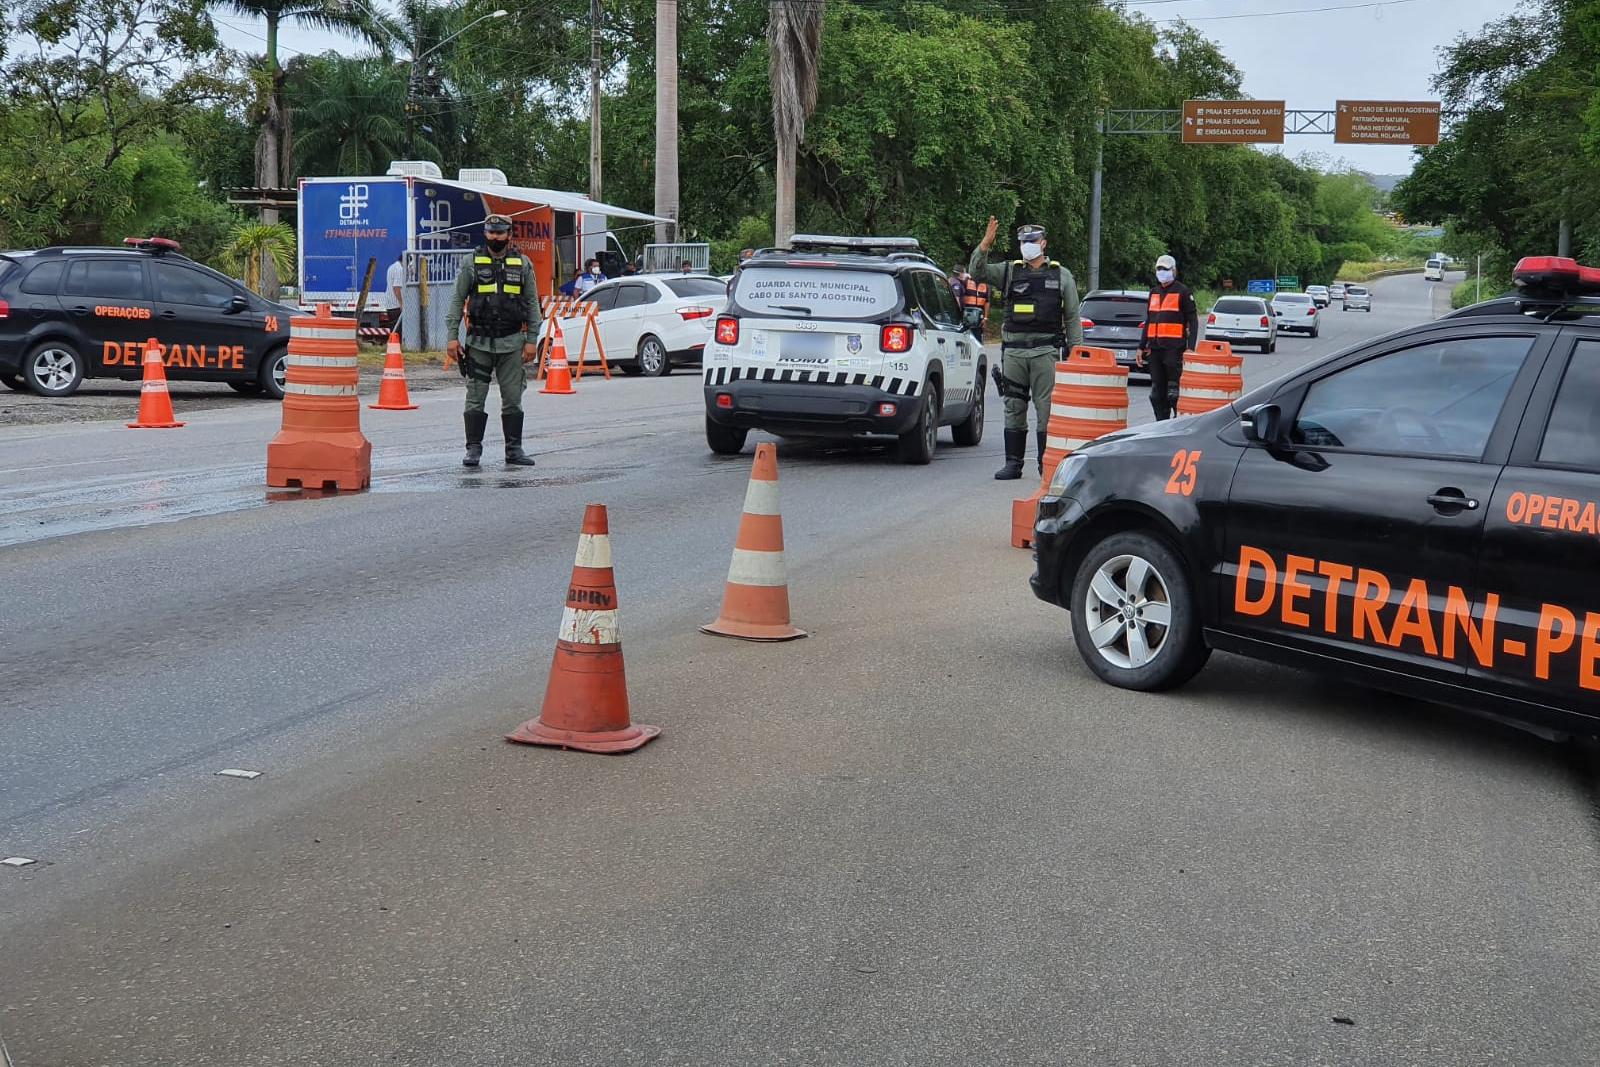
column 1184, row 475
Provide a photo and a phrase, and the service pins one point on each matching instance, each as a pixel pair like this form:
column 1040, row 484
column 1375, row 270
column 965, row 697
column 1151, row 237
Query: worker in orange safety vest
column 1171, row 328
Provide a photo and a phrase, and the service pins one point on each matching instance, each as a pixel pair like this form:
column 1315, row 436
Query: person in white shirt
column 590, row 277
column 393, row 284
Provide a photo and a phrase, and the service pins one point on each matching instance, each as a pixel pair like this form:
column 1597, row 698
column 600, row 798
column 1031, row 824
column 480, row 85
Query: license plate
column 805, row 345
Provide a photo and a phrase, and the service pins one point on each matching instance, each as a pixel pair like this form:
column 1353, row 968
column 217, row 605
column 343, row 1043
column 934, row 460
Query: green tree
column 794, row 38
column 252, row 244
column 350, row 116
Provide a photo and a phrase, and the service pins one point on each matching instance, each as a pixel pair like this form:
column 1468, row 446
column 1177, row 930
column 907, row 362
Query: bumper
column 1059, row 519
column 814, row 410
column 1298, row 326
column 1253, row 336
column 1358, row 305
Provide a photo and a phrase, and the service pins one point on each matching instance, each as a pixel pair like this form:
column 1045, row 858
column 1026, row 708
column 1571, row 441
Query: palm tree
column 350, row 116
column 252, row 244
column 794, row 35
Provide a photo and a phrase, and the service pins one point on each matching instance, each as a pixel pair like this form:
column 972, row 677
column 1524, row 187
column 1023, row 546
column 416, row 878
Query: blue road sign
column 1261, row 285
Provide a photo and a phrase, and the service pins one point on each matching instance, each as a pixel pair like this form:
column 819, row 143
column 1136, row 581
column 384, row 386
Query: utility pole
column 1564, row 238
column 594, row 100
column 667, row 119
column 1094, row 205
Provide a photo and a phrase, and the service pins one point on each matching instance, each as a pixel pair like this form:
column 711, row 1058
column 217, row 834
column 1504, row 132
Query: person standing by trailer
column 1171, row 328
column 497, row 294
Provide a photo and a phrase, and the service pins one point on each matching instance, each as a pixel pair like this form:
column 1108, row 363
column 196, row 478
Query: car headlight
column 1066, row 470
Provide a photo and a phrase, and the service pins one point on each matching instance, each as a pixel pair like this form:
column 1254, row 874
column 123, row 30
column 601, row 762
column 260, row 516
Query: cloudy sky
column 1308, row 53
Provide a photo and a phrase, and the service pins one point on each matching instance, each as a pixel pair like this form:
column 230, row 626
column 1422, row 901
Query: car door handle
column 1452, row 499
column 169, row 314
column 78, row 309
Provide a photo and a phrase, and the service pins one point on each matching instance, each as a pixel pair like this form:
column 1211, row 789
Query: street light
column 411, row 79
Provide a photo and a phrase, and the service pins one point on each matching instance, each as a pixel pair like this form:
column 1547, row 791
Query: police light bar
column 811, row 242
column 1556, row 274
column 153, row 244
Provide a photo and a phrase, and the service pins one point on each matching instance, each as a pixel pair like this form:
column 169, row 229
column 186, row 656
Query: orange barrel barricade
column 321, row 443
column 1213, row 377
column 1090, row 400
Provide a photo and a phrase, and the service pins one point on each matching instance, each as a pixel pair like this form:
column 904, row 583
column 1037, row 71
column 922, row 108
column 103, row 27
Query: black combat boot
column 477, row 422
column 1042, row 436
column 511, row 426
column 1016, row 447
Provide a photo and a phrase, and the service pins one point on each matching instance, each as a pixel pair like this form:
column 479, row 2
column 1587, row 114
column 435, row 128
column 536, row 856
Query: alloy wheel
column 1129, row 611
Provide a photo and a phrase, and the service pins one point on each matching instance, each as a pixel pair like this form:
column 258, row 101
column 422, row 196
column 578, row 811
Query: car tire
column 724, row 440
column 916, row 445
column 653, row 358
column 1121, row 578
column 1270, row 347
column 969, row 431
column 1316, row 331
column 273, row 373
column 53, row 368
column 13, row 382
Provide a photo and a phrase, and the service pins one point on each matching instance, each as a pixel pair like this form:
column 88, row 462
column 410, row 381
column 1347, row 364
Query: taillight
column 1312, row 310
column 5, row 310
column 1211, row 319
column 1265, row 321
column 896, row 337
column 1087, row 324
column 696, row 313
column 727, row 330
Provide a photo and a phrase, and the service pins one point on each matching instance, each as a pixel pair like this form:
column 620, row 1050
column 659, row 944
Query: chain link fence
column 425, row 312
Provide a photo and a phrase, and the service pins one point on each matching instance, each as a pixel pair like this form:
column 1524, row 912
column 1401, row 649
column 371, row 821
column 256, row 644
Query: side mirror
column 1263, row 424
column 972, row 317
column 237, row 304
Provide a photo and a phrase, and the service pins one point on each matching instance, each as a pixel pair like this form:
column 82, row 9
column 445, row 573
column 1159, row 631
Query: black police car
column 67, row 314
column 1420, row 513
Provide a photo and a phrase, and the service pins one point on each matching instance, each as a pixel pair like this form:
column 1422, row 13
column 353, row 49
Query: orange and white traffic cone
column 558, row 378
column 392, row 392
column 586, row 699
column 155, row 403
column 755, row 604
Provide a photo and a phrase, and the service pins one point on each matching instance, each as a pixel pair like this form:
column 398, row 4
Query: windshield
column 697, row 286
column 1239, row 306
column 816, row 292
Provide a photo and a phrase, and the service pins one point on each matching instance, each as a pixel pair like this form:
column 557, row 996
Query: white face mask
column 1164, row 276
column 1032, row 250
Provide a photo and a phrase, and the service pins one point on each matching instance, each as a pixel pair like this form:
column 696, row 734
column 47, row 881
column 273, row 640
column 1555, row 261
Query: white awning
column 554, row 198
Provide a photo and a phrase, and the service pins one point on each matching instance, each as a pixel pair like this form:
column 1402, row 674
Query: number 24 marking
column 1184, row 475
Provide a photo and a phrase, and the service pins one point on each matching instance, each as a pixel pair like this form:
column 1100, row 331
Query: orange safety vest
column 1164, row 319
column 975, row 294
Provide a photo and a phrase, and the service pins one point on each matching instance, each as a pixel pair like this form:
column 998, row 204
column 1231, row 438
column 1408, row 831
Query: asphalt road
column 923, row 835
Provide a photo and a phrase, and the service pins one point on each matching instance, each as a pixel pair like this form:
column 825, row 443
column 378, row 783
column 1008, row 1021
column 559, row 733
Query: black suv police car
column 67, row 314
column 1420, row 513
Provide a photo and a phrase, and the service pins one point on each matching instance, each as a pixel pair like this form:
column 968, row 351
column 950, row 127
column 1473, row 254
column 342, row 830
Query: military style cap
column 497, row 224
column 1030, row 232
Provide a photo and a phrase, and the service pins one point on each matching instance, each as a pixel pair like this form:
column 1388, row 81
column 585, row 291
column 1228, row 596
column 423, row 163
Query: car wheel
column 53, row 368
column 13, row 382
column 274, row 373
column 1316, row 331
column 247, row 388
column 653, row 358
column 969, row 431
column 1134, row 618
column 916, row 445
column 1270, row 347
column 724, row 440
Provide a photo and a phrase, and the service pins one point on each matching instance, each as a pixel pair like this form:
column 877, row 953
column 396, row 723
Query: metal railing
column 424, row 309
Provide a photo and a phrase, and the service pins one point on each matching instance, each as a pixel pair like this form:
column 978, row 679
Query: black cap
column 497, row 224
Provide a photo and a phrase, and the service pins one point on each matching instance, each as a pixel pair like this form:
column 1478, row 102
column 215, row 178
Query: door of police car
column 1540, row 616
column 1357, row 540
column 106, row 301
column 952, row 345
column 201, row 321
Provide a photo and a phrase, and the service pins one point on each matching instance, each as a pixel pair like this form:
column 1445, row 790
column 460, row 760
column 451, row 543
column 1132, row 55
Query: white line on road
column 235, row 772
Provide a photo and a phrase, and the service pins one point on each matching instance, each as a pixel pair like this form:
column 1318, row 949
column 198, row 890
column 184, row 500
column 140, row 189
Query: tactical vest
column 1034, row 300
column 1164, row 319
column 975, row 294
column 497, row 307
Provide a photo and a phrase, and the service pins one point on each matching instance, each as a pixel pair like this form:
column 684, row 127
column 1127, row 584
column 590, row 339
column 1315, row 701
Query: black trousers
column 1166, row 367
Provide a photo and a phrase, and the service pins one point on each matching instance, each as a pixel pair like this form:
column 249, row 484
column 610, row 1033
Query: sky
column 1358, row 50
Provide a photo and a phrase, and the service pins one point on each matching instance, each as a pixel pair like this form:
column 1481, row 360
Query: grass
column 1353, row 271
column 1465, row 294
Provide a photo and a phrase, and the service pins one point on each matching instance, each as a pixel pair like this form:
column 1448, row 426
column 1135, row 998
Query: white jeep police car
column 841, row 337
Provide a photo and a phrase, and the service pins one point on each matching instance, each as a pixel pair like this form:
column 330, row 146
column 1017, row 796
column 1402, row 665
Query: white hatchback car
column 1243, row 320
column 1296, row 313
column 651, row 322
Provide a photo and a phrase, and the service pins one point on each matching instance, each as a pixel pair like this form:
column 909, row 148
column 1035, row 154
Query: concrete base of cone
column 392, row 407
column 312, row 460
column 535, row 732
column 746, row 631
column 154, row 425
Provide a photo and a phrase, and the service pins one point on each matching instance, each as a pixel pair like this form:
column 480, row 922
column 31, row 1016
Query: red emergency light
column 1556, row 274
column 153, row 244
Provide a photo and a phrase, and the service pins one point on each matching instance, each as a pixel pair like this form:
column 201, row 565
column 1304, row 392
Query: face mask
column 1164, row 277
column 497, row 244
column 1032, row 250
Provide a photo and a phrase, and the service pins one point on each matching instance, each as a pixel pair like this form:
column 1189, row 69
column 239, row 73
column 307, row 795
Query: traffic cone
column 155, row 403
column 392, row 392
column 586, row 699
column 755, row 605
column 558, row 378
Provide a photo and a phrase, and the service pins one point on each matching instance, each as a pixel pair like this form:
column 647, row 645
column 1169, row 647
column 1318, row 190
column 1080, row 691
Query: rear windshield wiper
column 790, row 307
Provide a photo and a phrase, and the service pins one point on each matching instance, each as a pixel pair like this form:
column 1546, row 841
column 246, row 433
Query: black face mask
column 497, row 244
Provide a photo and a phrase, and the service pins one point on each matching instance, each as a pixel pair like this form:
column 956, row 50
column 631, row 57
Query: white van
column 1434, row 271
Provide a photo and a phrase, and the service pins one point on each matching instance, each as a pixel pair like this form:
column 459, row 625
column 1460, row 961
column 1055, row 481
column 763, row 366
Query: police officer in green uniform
column 1041, row 314
column 496, row 290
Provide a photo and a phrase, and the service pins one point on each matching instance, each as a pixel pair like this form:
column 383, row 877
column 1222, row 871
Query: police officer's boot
column 477, row 422
column 1016, row 447
column 1041, row 436
column 511, row 426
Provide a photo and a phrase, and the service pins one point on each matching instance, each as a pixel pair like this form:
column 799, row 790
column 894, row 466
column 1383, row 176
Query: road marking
column 235, row 772
column 17, row 861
